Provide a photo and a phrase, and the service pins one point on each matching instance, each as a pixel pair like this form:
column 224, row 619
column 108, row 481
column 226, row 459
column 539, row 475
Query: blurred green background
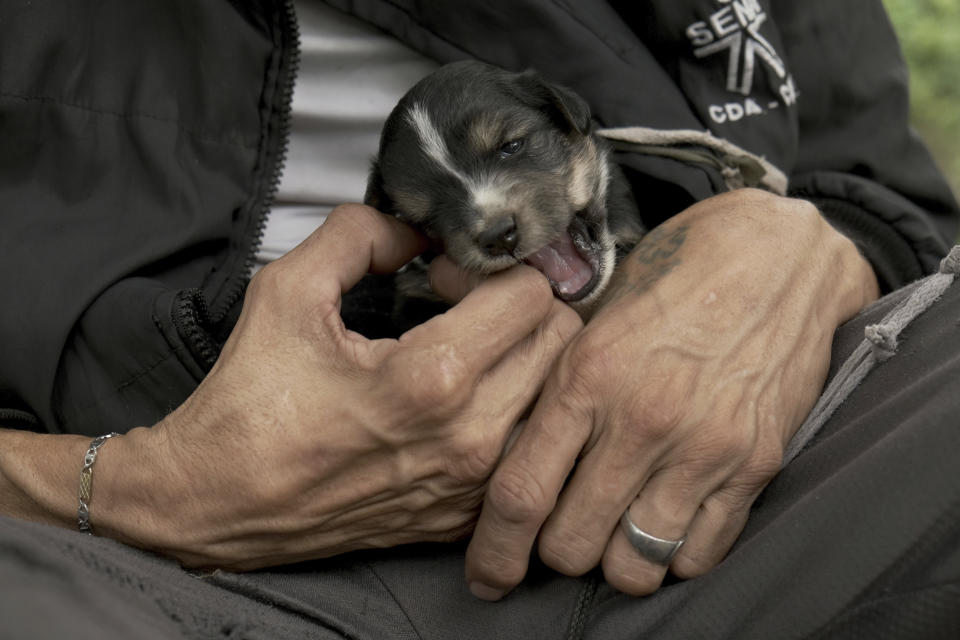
column 929, row 32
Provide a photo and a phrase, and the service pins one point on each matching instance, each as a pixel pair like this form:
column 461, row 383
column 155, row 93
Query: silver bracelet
column 86, row 482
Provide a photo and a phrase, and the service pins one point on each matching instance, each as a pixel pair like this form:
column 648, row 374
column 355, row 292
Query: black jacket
column 142, row 142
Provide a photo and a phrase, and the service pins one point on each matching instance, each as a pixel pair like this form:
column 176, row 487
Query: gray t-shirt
column 350, row 77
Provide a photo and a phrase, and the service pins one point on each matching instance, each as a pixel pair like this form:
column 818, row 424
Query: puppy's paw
column 413, row 282
column 414, row 301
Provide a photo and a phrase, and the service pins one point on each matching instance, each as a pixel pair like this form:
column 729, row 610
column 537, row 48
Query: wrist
column 40, row 482
column 129, row 490
column 39, row 476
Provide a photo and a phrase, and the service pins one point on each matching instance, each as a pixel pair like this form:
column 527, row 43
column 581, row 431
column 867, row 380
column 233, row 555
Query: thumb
column 354, row 240
column 450, row 282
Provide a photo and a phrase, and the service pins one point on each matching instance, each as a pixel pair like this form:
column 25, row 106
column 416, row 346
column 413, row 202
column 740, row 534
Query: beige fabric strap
column 739, row 167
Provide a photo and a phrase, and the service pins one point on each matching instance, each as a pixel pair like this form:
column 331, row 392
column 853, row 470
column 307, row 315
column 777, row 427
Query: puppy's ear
column 375, row 196
column 563, row 105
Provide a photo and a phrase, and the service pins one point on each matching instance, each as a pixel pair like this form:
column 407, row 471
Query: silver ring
column 654, row 549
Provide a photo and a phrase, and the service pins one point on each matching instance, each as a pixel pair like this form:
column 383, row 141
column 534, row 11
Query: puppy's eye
column 510, row 148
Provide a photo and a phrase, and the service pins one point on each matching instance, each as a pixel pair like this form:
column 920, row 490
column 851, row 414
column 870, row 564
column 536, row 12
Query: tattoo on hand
column 656, row 255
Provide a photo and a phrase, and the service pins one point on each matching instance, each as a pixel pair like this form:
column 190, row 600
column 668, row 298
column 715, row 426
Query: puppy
column 500, row 168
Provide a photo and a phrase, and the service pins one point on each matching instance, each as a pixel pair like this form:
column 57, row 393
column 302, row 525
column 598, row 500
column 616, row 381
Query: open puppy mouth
column 571, row 263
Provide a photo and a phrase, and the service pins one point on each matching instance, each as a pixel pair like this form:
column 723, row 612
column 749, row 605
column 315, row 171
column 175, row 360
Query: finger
column 354, row 240
column 476, row 333
column 449, row 281
column 606, row 480
column 517, row 378
column 665, row 508
column 523, row 490
column 724, row 512
column 506, row 392
column 716, row 526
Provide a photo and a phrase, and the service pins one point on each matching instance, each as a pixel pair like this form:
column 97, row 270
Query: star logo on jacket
column 734, row 29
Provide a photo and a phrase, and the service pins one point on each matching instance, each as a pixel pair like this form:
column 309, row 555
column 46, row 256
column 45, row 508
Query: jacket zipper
column 16, row 418
column 290, row 33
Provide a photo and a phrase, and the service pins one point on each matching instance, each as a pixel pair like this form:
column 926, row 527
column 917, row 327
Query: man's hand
column 677, row 399
column 307, row 440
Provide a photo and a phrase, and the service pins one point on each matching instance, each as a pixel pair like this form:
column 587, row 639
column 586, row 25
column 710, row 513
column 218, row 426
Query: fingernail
column 486, row 592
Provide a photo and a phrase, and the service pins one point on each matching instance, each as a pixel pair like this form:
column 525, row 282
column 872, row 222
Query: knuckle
column 589, row 364
column 764, row 463
column 351, row 221
column 730, row 444
column 473, row 459
column 433, row 381
column 517, row 496
column 447, row 380
column 590, row 353
column 655, row 419
column 720, row 445
column 494, row 566
column 570, row 322
column 563, row 325
column 569, row 552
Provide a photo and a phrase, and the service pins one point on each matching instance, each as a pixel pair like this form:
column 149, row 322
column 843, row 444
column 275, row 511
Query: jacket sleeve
column 857, row 157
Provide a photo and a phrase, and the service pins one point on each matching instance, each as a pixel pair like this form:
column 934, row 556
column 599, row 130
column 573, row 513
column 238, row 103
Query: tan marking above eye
column 483, row 133
column 488, row 132
column 586, row 170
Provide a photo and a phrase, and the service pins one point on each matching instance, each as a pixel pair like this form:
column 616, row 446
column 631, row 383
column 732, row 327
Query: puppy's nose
column 500, row 237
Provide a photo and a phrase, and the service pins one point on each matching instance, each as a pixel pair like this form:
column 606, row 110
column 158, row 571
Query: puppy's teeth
column 562, row 265
column 576, row 283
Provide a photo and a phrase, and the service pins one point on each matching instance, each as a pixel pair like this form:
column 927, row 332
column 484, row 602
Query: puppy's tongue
column 562, row 265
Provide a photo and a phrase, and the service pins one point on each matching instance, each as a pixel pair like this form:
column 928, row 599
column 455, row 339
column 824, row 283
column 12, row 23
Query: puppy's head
column 500, row 168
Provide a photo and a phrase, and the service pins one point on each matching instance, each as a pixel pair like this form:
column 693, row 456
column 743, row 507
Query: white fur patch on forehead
column 433, row 143
column 488, row 197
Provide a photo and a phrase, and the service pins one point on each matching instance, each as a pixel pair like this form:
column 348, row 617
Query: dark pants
column 858, row 537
